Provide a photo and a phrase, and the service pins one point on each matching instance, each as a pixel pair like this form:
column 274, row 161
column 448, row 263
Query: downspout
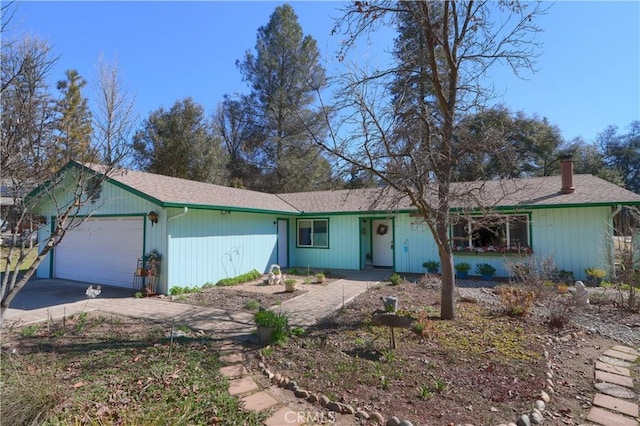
column 612, row 255
column 170, row 218
column 186, row 209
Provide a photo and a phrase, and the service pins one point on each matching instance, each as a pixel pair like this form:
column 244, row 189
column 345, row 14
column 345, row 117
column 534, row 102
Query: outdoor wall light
column 153, row 217
column 225, row 212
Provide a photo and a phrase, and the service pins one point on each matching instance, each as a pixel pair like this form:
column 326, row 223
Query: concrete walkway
column 303, row 310
column 309, row 308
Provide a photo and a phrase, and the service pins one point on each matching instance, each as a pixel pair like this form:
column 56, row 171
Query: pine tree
column 73, row 126
column 285, row 75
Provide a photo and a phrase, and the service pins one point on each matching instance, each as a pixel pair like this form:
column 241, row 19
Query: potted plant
column 290, row 285
column 595, row 276
column 272, row 326
column 486, row 271
column 462, row 269
column 320, row 277
column 431, row 266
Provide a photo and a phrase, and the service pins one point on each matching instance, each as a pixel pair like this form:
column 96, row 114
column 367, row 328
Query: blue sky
column 588, row 78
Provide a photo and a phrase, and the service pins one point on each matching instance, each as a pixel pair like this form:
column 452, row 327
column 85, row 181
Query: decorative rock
column 261, row 365
column 292, row 385
column 549, row 375
column 544, row 397
column 284, row 381
column 362, row 415
column 523, row 421
column 334, row 406
column 546, row 354
column 377, row 417
column 550, row 382
column 393, row 421
column 324, row 400
column 536, row 418
column 347, row 409
column 312, row 398
column 511, row 424
column 550, row 390
column 405, row 423
column 540, row 405
column 581, row 296
column 300, row 393
column 276, row 379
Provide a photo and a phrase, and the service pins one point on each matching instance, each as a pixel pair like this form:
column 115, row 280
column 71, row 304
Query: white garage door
column 101, row 251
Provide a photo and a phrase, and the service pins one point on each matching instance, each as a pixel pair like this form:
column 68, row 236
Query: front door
column 382, row 243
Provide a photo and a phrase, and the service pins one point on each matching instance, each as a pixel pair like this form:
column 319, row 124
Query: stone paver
column 259, row 401
column 626, row 349
column 607, row 418
column 284, row 417
column 242, row 385
column 232, row 358
column 615, row 390
column 615, row 404
column 603, row 376
column 622, row 371
column 231, row 371
column 615, row 361
column 621, row 355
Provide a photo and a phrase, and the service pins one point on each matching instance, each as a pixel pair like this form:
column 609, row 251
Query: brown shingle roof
column 171, row 190
column 533, row 192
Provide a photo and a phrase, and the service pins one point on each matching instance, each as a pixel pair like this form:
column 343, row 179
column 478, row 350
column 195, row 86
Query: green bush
column 278, row 322
column 485, row 269
column 462, row 267
column 244, row 278
column 177, row 290
column 395, row 279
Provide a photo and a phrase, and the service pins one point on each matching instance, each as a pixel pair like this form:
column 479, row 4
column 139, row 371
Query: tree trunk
column 447, row 290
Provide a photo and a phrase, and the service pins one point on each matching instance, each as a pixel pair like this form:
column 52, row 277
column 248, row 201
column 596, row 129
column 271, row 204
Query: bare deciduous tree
column 402, row 120
column 73, row 194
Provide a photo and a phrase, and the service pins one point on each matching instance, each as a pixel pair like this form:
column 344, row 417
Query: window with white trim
column 313, row 233
column 502, row 234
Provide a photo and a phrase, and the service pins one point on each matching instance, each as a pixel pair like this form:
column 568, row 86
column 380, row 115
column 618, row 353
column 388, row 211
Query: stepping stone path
column 617, row 403
column 242, row 385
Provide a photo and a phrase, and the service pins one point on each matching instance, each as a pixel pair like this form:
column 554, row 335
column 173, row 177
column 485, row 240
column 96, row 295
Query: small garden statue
column 275, row 275
column 581, row 296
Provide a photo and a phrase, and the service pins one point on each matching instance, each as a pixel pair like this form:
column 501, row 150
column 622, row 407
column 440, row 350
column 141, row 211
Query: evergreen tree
column 73, row 127
column 285, row 75
column 179, row 143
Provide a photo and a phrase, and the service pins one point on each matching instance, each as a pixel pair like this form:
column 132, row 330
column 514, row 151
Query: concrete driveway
column 41, row 293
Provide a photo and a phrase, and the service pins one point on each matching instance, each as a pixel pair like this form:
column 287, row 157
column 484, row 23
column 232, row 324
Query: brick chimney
column 566, row 170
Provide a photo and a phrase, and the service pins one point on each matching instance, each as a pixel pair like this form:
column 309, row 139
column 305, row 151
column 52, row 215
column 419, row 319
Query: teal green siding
column 414, row 244
column 344, row 245
column 577, row 238
column 113, row 202
column 205, row 246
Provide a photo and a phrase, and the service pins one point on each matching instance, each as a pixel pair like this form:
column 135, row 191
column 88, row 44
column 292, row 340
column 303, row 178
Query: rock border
column 535, row 416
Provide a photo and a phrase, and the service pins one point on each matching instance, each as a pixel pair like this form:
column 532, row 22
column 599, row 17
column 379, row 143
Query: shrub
column 463, row 267
column 485, row 269
column 244, row 278
column 424, row 326
column 278, row 322
column 560, row 311
column 252, row 305
column 595, row 273
column 177, row 290
column 431, row 265
column 395, row 279
column 320, row 277
column 516, row 301
column 30, row 330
